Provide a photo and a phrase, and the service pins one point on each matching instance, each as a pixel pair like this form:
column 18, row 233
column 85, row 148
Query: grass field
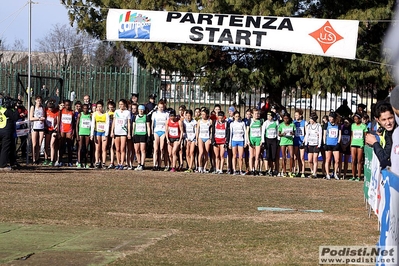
column 97, row 217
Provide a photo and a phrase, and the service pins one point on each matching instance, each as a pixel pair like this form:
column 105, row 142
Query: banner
column 389, row 235
column 325, row 37
column 368, row 156
column 374, row 186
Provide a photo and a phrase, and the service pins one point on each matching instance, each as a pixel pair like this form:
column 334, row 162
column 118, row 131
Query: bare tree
column 64, row 46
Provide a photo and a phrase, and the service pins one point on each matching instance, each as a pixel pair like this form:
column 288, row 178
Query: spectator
column 344, row 110
column 385, row 118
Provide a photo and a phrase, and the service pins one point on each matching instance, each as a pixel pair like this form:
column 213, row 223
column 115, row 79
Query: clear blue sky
column 14, row 23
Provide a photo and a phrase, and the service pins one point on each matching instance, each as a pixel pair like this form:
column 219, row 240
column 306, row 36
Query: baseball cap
column 141, row 107
column 232, row 109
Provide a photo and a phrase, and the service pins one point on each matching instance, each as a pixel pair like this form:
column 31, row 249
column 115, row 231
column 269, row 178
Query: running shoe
column 292, row 175
column 130, row 167
column 79, row 165
column 283, row 174
column 154, row 168
column 336, row 176
column 70, row 164
column 327, row 177
column 357, row 179
column 104, row 166
column 87, row 166
column 242, row 173
column 173, row 170
column 139, row 168
column 166, row 169
column 189, row 170
column 46, row 162
column 111, row 166
column 303, row 175
column 97, row 165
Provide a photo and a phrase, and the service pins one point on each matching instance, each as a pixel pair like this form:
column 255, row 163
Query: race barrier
column 381, row 192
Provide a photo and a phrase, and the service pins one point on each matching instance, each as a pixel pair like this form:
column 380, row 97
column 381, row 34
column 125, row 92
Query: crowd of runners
column 262, row 141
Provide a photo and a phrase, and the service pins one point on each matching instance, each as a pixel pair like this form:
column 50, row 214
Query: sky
column 14, row 22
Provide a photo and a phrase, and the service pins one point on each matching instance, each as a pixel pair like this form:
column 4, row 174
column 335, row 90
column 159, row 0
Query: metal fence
column 98, row 82
column 110, row 83
column 180, row 90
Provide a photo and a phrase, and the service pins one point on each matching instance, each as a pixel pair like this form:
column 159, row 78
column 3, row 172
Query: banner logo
column 134, row 26
column 326, row 36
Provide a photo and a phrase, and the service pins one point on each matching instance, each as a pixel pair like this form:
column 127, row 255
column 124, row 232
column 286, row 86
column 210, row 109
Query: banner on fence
column 372, row 176
column 326, row 37
column 389, row 235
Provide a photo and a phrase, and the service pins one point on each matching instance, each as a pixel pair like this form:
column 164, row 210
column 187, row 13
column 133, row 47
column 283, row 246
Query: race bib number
column 357, row 134
column 220, row 133
column 313, row 140
column 255, row 132
column 50, row 121
column 204, row 132
column 86, row 123
column 345, row 139
column 100, row 126
column 299, row 132
column 288, row 131
column 160, row 125
column 66, row 119
column 120, row 122
column 173, row 132
column 333, row 133
column 140, row 128
column 271, row 133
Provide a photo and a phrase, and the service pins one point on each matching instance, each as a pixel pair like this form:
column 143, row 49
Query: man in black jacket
column 385, row 117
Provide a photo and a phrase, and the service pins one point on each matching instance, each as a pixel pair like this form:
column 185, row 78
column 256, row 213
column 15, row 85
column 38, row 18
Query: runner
column 299, row 151
column 346, row 133
column 158, row 119
column 357, row 145
column 99, row 134
column 254, row 135
column 111, row 141
column 83, row 128
column 270, row 142
column 141, row 135
column 332, row 138
column 286, row 132
column 51, row 134
column 174, row 136
column 219, row 141
column 190, row 126
column 66, row 132
column 130, row 144
column 38, row 117
column 238, row 140
column 313, row 140
column 203, row 140
column 182, row 149
column 120, row 132
column 247, row 121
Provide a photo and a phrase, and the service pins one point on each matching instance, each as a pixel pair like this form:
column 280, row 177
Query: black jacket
column 384, row 153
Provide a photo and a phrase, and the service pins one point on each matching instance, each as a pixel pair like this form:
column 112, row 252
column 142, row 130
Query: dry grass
column 212, row 219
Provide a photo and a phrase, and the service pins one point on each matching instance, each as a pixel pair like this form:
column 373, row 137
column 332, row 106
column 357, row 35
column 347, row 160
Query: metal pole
column 29, row 75
column 135, row 75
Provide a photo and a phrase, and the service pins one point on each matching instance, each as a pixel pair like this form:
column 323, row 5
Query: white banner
column 326, row 37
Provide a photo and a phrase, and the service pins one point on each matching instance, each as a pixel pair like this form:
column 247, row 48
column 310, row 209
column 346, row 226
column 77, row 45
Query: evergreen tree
column 229, row 69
